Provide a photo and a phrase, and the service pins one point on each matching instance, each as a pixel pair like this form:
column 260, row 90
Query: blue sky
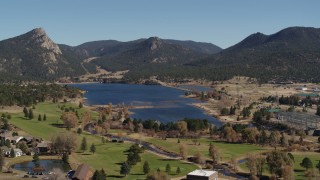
column 222, row 22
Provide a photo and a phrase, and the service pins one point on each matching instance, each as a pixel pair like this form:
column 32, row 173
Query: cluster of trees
column 289, row 100
column 246, row 112
column 133, row 156
column 280, row 164
column 84, row 146
column 226, row 111
column 29, row 114
column 4, row 123
column 27, row 95
column 238, row 133
column 188, row 125
column 64, row 143
column 99, row 175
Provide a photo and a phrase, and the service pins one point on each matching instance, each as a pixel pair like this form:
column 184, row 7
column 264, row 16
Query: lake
column 47, row 164
column 167, row 104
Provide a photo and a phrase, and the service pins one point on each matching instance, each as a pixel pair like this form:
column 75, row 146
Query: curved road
column 149, row 146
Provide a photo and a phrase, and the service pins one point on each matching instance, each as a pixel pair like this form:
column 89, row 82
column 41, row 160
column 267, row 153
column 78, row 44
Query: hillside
column 290, row 54
column 34, row 56
column 150, row 52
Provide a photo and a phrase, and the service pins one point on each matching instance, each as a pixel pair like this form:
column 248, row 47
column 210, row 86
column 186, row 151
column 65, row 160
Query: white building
column 17, row 152
column 200, row 174
column 302, row 88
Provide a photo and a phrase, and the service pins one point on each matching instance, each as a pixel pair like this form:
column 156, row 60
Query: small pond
column 47, row 164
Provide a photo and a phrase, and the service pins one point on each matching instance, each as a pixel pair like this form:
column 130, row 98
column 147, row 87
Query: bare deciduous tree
column 69, row 119
column 183, row 151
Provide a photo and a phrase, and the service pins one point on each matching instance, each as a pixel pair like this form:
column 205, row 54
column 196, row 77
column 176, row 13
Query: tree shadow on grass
column 167, row 159
column 298, row 170
column 24, row 118
column 138, row 174
column 57, row 125
column 115, row 176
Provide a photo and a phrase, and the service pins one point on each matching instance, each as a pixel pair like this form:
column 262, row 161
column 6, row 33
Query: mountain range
column 290, row 54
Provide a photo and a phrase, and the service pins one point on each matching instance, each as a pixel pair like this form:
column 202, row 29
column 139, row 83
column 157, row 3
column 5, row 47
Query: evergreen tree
column 263, row 137
column 79, row 130
column 103, row 174
column 125, row 169
column 77, row 114
column 178, row 171
column 318, row 110
column 96, row 175
column 6, row 125
column 44, row 117
column 12, row 154
column 1, row 161
column 39, row 117
column 36, row 159
column 291, row 157
column 84, row 144
column 65, row 158
column 146, row 167
column 92, row 148
column 318, row 166
column 26, row 113
column 133, row 158
column 99, row 175
column 168, row 168
column 103, row 140
column 30, row 115
column 306, row 163
column 8, row 143
column 104, row 117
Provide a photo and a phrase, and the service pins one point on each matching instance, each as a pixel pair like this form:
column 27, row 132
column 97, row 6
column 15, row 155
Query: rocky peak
column 40, row 37
column 154, row 43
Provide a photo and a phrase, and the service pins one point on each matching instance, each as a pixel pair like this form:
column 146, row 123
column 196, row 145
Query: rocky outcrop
column 40, row 37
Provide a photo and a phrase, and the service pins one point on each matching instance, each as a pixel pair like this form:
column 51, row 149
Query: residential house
column 17, row 152
column 200, row 174
column 44, row 147
column 83, row 172
column 16, row 139
column 5, row 150
column 8, row 136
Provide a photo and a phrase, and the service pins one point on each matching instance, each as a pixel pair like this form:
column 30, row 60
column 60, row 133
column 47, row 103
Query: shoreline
column 198, row 105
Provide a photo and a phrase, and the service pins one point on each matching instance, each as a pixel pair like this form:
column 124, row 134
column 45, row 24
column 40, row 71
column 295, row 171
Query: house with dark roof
column 83, row 172
column 44, row 147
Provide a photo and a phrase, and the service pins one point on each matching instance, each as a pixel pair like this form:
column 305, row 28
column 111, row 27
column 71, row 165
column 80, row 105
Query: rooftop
column 200, row 172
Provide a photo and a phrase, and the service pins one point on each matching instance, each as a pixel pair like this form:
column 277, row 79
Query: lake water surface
column 47, row 164
column 168, row 104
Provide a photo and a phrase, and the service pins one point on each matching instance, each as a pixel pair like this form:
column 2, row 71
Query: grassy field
column 228, row 150
column 44, row 129
column 110, row 155
column 107, row 156
column 299, row 171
